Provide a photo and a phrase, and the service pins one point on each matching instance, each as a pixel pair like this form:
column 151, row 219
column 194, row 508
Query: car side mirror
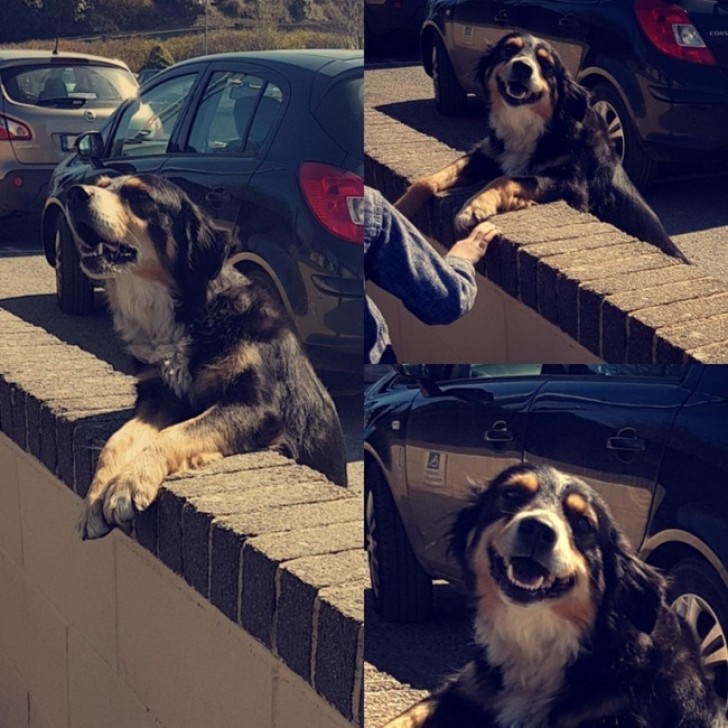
column 90, row 147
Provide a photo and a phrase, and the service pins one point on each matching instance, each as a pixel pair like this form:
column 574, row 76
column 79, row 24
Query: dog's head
column 521, row 70
column 539, row 538
column 146, row 226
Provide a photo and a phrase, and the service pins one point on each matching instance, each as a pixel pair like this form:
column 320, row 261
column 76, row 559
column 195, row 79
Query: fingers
column 483, row 233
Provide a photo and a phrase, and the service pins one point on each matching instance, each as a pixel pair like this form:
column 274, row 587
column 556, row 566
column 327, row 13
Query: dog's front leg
column 156, row 409
column 222, row 430
column 501, row 195
column 417, row 195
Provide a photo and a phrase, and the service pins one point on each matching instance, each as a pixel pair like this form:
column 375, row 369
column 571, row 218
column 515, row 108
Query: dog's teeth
column 535, row 586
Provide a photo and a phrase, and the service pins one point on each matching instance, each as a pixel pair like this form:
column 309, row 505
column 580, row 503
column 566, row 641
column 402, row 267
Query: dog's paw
column 471, row 215
column 131, row 491
column 92, row 524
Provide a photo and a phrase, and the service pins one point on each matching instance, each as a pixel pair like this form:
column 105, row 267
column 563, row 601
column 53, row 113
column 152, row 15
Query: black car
column 657, row 70
column 652, row 440
column 382, row 18
column 270, row 144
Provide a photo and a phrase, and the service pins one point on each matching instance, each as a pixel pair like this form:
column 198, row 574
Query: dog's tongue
column 526, row 573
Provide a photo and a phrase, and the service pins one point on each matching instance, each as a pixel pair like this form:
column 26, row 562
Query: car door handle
column 502, row 17
column 626, row 440
column 568, row 21
column 218, row 194
column 499, row 433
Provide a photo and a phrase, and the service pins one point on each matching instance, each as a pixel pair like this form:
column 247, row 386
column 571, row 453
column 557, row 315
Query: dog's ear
column 463, row 531
column 634, row 588
column 484, row 65
column 573, row 97
column 203, row 247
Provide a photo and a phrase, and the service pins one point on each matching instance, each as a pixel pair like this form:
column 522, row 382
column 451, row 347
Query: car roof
column 19, row 54
column 331, row 61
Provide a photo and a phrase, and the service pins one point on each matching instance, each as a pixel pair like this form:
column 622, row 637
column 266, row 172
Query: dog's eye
column 582, row 526
column 509, row 50
column 513, row 497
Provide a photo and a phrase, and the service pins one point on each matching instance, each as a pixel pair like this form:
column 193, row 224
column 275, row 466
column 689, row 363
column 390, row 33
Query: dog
column 544, row 142
column 572, row 629
column 219, row 368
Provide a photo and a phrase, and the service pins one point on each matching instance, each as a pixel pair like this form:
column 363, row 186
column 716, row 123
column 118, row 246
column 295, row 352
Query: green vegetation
column 136, row 50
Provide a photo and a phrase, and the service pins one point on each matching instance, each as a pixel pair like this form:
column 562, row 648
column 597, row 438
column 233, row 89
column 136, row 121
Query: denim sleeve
column 398, row 258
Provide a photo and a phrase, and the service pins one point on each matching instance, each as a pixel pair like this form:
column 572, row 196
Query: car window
column 340, row 113
column 146, row 125
column 235, row 115
column 68, row 85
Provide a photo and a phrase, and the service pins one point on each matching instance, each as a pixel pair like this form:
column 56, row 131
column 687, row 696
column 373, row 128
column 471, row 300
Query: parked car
column 46, row 101
column 657, row 70
column 382, row 18
column 270, row 144
column 652, row 440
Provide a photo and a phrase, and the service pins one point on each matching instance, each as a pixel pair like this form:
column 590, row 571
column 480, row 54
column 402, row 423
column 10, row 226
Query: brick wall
column 237, row 602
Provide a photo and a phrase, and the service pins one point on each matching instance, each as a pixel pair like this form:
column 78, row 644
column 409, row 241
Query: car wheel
column 450, row 99
column 402, row 588
column 74, row 291
column 623, row 135
column 698, row 594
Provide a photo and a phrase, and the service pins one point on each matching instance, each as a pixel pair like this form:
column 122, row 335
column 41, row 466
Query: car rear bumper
column 23, row 190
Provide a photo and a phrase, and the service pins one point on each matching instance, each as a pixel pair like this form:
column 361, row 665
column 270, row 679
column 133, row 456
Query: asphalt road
column 692, row 206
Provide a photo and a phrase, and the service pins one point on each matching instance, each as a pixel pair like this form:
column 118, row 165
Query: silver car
column 46, row 101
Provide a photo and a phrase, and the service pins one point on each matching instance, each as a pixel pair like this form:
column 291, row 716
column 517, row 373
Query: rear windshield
column 341, row 113
column 67, row 85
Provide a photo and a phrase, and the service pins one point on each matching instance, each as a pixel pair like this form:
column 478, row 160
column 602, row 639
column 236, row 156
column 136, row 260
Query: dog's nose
column 536, row 535
column 521, row 71
column 77, row 195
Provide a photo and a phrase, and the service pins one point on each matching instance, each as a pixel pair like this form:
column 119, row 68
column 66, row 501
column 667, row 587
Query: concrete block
column 77, row 576
column 167, row 631
column 97, row 695
column 10, row 533
column 14, row 696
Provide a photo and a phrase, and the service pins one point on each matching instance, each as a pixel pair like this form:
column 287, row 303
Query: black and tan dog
column 571, row 629
column 220, row 370
column 544, row 142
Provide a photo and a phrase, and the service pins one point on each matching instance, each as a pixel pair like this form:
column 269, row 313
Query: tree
column 159, row 57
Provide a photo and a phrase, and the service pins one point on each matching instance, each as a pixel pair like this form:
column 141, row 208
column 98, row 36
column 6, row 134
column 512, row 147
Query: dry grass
column 134, row 51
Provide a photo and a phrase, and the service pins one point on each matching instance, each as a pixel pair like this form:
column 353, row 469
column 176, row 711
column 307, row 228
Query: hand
column 474, row 246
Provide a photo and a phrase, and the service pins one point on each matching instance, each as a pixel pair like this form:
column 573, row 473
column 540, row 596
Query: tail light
column 669, row 29
column 11, row 130
column 336, row 198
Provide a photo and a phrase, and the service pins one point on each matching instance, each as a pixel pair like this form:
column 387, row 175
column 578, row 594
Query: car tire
column 74, row 291
column 697, row 593
column 402, row 588
column 623, row 134
column 450, row 99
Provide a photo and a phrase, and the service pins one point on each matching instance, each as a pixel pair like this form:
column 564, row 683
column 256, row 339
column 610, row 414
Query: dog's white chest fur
column 144, row 317
column 533, row 647
column 519, row 129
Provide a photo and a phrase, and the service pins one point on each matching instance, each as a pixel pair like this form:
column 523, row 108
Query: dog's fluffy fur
column 544, row 142
column 571, row 629
column 220, row 370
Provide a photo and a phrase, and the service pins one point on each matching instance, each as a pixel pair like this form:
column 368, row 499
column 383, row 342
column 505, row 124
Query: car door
column 224, row 140
column 563, row 23
column 472, row 27
column 461, row 433
column 609, row 425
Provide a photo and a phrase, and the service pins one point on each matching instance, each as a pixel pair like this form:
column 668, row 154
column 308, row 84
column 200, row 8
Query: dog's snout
column 536, row 535
column 521, row 71
column 78, row 195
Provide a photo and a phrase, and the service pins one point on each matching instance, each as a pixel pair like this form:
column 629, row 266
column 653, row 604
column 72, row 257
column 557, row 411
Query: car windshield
column 340, row 112
column 67, row 84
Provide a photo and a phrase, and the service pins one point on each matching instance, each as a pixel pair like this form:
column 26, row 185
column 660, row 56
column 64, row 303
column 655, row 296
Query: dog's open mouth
column 97, row 250
column 523, row 579
column 516, row 93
